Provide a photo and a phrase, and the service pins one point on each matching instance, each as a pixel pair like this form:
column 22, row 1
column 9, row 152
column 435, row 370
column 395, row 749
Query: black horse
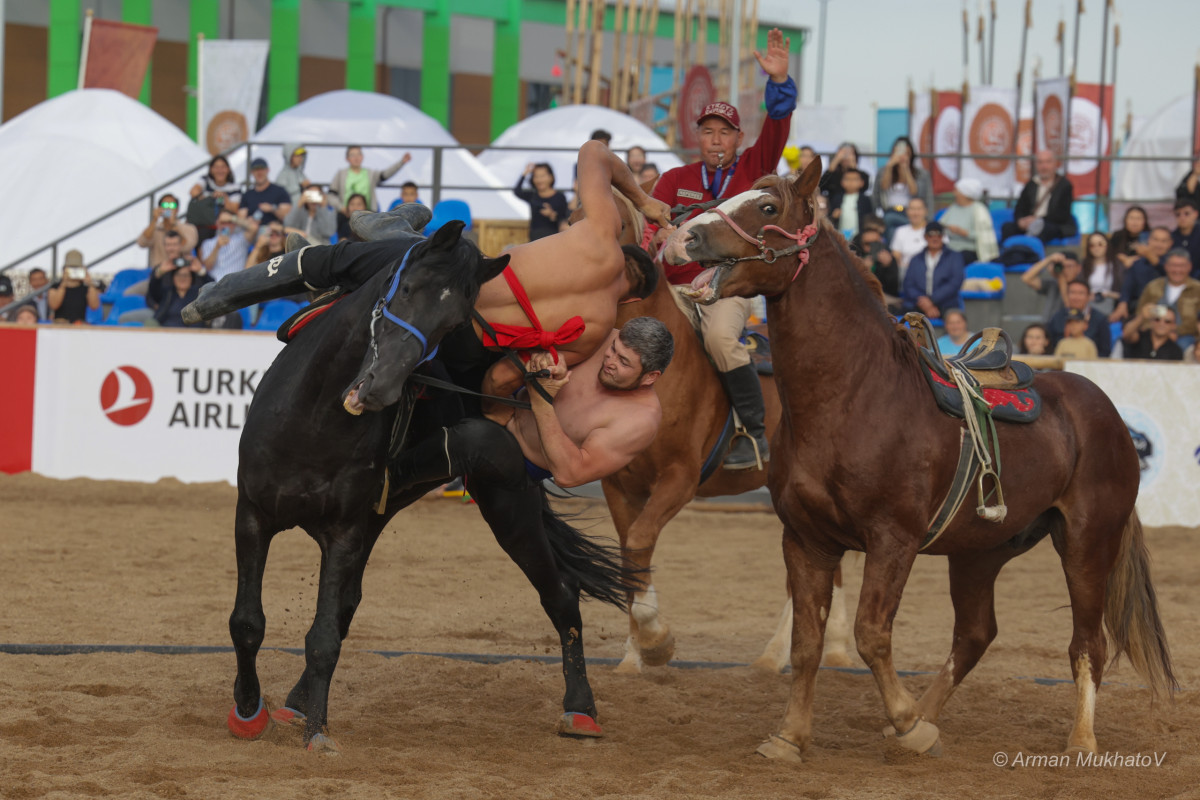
column 306, row 462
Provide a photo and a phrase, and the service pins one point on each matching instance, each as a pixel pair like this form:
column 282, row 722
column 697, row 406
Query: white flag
column 989, row 130
column 1050, row 114
column 231, row 77
column 920, row 125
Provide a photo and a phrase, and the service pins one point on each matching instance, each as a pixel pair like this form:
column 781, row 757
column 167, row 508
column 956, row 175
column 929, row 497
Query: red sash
column 524, row 339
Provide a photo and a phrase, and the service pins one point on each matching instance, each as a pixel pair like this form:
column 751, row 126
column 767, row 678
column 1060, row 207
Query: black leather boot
column 279, row 277
column 745, row 393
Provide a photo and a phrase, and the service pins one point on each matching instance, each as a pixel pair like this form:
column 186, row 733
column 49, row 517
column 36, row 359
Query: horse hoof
column 324, row 745
column 660, row 653
column 576, row 724
column 922, row 738
column 288, row 717
column 252, row 727
column 780, row 749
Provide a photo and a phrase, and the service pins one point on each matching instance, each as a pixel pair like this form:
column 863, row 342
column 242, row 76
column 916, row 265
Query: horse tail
column 1131, row 613
column 597, row 568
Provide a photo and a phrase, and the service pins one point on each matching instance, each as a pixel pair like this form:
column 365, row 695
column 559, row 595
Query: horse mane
column 637, row 220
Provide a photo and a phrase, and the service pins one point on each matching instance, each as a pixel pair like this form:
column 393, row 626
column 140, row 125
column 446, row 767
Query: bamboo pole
column 992, row 46
column 629, row 46
column 753, row 44
column 594, row 64
column 699, row 40
column 581, row 40
column 1100, row 128
column 982, row 54
column 680, row 51
column 568, row 50
column 651, row 36
column 1021, row 73
column 615, row 70
column 722, row 50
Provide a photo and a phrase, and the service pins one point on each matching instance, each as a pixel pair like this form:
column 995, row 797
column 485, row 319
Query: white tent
column 1167, row 133
column 569, row 127
column 386, row 128
column 71, row 159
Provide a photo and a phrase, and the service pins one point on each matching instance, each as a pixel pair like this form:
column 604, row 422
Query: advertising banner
column 231, row 79
column 1050, row 98
column 1090, row 135
column 1157, row 402
column 990, row 130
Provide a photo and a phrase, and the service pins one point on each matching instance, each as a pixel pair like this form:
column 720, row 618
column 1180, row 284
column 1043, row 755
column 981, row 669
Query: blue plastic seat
column 121, row 305
column 987, row 271
column 274, row 314
column 122, row 281
column 94, row 316
column 448, row 210
column 999, row 217
column 1032, row 242
column 1067, row 241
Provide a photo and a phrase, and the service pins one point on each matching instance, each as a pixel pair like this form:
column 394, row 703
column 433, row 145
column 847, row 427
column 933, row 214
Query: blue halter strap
column 382, row 310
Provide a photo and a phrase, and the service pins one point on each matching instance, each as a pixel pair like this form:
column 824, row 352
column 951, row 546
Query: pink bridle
column 803, row 240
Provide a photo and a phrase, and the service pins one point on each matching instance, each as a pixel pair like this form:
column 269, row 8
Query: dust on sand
column 101, row 562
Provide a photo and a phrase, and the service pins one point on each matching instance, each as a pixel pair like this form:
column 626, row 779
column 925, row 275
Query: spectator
column 1187, row 233
column 26, row 314
column 165, row 218
column 1144, row 270
column 264, row 202
column 270, row 244
column 174, row 257
column 1075, row 342
column 830, row 185
column 649, row 174
column 354, row 179
column 314, row 218
column 1076, row 299
column 934, row 279
column 869, row 245
column 601, row 135
column 1123, row 246
column 899, row 182
column 1176, row 291
column 38, row 280
column 547, row 206
column 950, row 343
column 1190, row 185
column 1065, row 268
column 807, row 154
column 181, row 287
column 408, row 193
column 6, row 291
column 1035, row 340
column 226, row 252
column 216, row 190
column 1148, row 335
column 292, row 177
column 908, row 240
column 1044, row 207
column 1103, row 274
column 969, row 224
column 636, row 159
column 70, row 298
column 856, row 205
column 357, row 202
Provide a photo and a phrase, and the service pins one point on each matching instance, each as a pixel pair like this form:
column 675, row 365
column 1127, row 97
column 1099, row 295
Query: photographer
column 1052, row 282
column 1177, row 292
column 176, row 283
column 1148, row 335
column 226, row 253
column 313, row 218
column 166, row 217
column 70, row 298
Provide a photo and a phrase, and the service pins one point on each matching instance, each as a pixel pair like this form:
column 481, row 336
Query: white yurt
column 569, row 127
column 1167, row 133
column 386, row 128
column 77, row 157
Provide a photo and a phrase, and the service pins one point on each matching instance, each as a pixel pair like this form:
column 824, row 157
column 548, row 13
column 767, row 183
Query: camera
column 180, row 262
column 75, row 273
column 312, row 196
column 1161, row 311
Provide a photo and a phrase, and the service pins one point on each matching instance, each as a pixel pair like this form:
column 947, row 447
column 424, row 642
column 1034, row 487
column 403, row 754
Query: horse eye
column 405, row 291
column 769, row 209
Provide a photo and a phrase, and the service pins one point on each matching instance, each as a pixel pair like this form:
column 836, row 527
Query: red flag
column 116, row 56
column 945, row 133
column 1087, row 129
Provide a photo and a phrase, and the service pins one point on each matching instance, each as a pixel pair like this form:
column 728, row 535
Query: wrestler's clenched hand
column 656, row 211
column 559, row 374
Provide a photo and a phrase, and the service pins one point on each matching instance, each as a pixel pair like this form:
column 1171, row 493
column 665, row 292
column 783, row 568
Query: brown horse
column 863, row 457
column 648, row 493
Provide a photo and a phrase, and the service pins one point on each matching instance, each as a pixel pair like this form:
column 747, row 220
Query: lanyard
column 724, row 184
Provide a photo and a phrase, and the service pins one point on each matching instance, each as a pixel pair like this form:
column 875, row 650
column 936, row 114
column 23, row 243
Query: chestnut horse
column 648, row 493
column 863, row 457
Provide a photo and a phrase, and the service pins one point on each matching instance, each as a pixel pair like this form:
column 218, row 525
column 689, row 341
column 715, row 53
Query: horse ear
column 445, row 237
column 491, row 267
column 805, row 186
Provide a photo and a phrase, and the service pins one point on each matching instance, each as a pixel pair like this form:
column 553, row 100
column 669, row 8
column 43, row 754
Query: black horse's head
column 428, row 294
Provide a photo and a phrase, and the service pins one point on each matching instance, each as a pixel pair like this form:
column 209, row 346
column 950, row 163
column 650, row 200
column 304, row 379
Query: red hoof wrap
column 288, row 716
column 573, row 723
column 253, row 727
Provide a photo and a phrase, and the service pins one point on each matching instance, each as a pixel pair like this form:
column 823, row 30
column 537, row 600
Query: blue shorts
column 536, row 472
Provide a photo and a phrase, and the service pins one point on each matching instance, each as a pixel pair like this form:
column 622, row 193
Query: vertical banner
column 1024, row 169
column 947, row 136
column 920, row 125
column 231, row 78
column 1196, row 114
column 1050, row 97
column 1087, row 129
column 990, row 131
column 116, row 56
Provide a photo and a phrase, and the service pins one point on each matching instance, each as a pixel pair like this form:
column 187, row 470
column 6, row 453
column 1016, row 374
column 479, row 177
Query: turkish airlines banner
column 990, row 130
column 1090, row 135
column 116, row 56
column 231, row 78
column 1050, row 98
column 947, row 139
column 130, row 404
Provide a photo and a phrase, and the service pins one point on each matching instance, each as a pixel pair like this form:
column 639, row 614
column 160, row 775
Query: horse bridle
column 381, row 311
column 803, row 238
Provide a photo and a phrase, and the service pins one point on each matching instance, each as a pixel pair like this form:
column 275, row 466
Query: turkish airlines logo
column 126, row 395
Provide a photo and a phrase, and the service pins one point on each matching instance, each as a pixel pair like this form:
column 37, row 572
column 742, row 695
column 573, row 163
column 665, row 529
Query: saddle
column 985, row 362
column 319, row 305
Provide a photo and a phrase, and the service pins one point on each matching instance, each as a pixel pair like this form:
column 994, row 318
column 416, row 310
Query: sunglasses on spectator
column 169, row 204
column 276, row 233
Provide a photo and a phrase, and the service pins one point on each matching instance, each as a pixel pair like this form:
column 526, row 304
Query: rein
column 803, row 239
column 381, row 310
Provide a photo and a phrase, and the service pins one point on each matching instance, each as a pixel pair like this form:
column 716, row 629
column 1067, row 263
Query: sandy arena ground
column 97, row 562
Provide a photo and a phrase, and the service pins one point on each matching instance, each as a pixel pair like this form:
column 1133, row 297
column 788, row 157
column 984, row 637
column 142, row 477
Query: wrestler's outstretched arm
column 600, row 169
